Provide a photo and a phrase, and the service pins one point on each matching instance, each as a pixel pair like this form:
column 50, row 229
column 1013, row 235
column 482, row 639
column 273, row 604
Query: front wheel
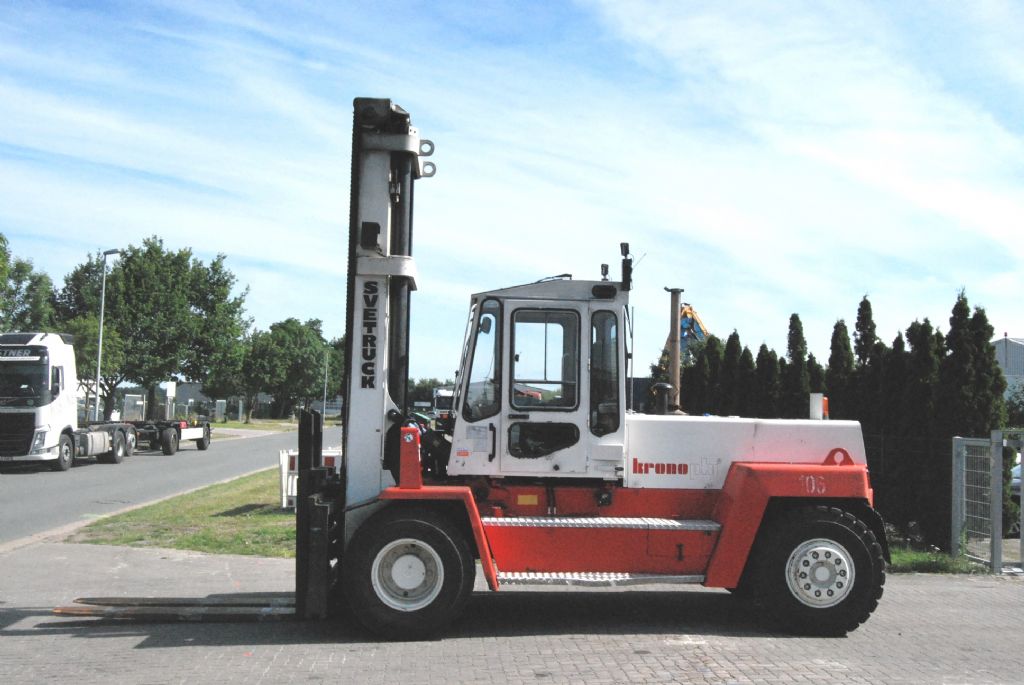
column 818, row 571
column 65, row 454
column 408, row 573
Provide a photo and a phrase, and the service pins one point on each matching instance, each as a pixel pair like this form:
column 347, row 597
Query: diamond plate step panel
column 599, row 522
column 594, row 579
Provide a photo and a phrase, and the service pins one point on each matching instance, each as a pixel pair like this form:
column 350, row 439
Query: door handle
column 494, row 442
column 524, row 417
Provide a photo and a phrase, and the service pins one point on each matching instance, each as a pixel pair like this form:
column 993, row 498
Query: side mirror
column 485, row 325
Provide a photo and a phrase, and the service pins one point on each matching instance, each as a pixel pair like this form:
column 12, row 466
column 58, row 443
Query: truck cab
column 37, row 401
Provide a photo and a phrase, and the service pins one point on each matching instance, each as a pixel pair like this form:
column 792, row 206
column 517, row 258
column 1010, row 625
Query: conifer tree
column 747, row 383
column 815, row 374
column 795, row 381
column 713, row 353
column 864, row 336
column 729, row 384
column 766, row 389
column 840, row 372
column 956, row 373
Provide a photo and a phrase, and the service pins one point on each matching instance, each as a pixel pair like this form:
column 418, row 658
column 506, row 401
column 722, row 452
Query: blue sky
column 768, row 158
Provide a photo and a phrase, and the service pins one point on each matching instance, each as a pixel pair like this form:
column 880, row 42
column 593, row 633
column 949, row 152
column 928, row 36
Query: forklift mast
column 386, row 162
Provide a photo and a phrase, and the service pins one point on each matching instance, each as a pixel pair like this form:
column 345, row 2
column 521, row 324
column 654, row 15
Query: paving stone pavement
column 928, row 629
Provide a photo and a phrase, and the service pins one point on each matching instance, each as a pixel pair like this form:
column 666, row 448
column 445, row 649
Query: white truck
column 39, row 410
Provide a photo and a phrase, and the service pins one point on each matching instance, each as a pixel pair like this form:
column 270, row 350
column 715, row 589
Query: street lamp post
column 99, row 348
column 327, row 356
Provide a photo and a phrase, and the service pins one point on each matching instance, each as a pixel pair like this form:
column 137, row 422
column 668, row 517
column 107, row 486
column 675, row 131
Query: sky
column 769, row 158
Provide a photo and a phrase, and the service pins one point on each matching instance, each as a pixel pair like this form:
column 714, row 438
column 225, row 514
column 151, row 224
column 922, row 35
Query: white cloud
column 768, row 161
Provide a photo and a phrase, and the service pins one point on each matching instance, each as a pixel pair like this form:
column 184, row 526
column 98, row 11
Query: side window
column 483, row 389
column 56, row 380
column 604, row 373
column 545, row 359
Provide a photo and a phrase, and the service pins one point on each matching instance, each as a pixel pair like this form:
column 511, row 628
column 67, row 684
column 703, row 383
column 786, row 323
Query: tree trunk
column 151, row 403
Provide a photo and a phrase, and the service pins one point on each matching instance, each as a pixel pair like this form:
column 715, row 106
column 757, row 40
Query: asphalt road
column 34, row 499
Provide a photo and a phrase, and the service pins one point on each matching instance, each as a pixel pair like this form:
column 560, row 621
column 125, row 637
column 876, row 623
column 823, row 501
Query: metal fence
column 977, row 523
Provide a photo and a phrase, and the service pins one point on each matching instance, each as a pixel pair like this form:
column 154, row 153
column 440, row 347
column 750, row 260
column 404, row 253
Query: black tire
column 203, row 443
column 817, row 571
column 436, row 556
column 117, row 449
column 169, row 441
column 65, row 454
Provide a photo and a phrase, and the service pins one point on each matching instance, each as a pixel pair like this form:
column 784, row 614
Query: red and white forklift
column 545, row 477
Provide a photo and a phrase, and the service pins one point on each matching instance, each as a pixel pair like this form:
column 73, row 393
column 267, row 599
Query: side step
column 595, row 579
column 639, row 523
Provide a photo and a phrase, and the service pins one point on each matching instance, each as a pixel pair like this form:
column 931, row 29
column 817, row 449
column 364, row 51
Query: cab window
column 604, row 373
column 545, row 359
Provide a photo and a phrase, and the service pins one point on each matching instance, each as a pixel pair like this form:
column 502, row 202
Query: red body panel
column 627, row 550
column 441, row 492
column 749, row 487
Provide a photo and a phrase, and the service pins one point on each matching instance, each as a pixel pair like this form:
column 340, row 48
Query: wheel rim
column 407, row 574
column 820, row 573
column 65, row 452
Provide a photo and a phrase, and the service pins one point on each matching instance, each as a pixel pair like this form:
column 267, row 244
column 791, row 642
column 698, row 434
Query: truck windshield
column 443, row 402
column 23, row 383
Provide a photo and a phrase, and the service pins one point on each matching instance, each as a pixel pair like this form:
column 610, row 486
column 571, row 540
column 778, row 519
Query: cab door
column 543, row 421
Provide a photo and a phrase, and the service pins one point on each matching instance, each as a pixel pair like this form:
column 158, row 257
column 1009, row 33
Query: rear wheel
column 117, row 450
column 130, row 443
column 203, row 443
column 169, row 441
column 408, row 573
column 65, row 454
column 818, row 571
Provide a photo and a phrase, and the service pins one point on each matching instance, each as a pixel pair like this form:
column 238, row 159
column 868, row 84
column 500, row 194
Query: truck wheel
column 117, row 450
column 65, row 454
column 130, row 443
column 818, row 571
column 203, row 443
column 169, row 441
column 408, row 573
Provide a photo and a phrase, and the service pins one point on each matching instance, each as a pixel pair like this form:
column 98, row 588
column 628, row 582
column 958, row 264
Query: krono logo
column 369, row 341
column 660, row 468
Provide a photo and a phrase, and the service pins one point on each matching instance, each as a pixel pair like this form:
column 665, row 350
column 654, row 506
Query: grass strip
column 242, row 516
column 906, row 560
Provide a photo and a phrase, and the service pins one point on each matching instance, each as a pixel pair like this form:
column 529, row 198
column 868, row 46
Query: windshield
column 23, row 383
column 443, row 402
column 465, row 353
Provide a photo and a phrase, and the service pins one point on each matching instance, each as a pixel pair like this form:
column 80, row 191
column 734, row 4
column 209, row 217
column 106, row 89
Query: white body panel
column 695, row 452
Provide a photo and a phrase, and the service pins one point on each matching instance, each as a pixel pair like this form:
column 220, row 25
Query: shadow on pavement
column 507, row 614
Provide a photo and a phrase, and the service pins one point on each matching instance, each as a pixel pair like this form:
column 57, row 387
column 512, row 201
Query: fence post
column 959, row 486
column 996, row 502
